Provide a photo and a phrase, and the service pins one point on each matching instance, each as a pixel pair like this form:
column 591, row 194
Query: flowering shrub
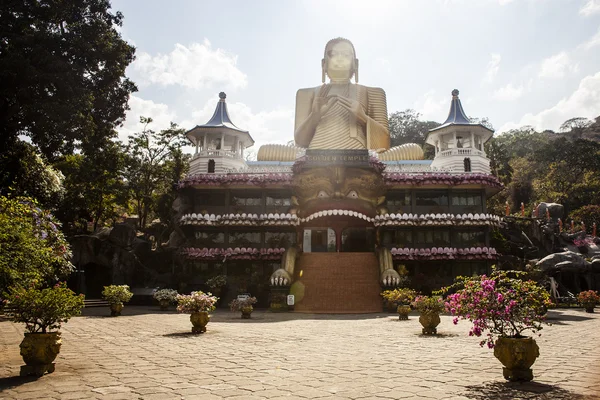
column 196, row 302
column 33, row 247
column 399, row 296
column 499, row 304
column 588, row 297
column 429, row 304
column 115, row 294
column 217, row 281
column 238, row 304
column 43, row 310
column 166, row 294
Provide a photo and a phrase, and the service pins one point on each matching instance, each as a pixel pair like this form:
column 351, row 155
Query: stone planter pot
column 517, row 355
column 199, row 321
column 115, row 309
column 39, row 350
column 430, row 321
column 247, row 312
column 403, row 312
column 589, row 307
column 164, row 305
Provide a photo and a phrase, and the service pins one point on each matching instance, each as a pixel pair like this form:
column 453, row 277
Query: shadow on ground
column 522, row 391
column 14, row 381
column 558, row 317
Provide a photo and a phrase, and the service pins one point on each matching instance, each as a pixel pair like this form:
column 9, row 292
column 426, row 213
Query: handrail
column 461, row 152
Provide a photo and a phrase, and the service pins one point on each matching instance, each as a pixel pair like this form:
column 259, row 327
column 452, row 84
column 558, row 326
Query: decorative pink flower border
column 445, row 253
column 238, row 253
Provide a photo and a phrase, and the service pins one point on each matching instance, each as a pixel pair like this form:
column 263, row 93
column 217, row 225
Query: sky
column 516, row 62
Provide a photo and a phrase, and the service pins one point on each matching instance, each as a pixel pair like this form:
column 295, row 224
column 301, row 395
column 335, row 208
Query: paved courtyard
column 148, row 354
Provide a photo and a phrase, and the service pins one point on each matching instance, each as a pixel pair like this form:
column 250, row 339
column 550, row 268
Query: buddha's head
column 339, row 60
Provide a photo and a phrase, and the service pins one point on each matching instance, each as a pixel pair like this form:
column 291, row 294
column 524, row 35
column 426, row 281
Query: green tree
column 23, row 172
column 34, row 249
column 95, row 190
column 406, row 127
column 154, row 163
column 62, row 68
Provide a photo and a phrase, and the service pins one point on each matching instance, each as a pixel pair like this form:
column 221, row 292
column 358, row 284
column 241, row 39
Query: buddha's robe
column 338, row 128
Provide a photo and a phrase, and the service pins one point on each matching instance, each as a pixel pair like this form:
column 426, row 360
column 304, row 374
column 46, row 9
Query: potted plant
column 588, row 300
column 505, row 307
column 165, row 297
column 42, row 311
column 198, row 305
column 116, row 295
column 243, row 304
column 430, row 308
column 216, row 284
column 401, row 297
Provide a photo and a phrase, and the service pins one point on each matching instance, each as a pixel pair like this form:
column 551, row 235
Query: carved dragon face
column 338, row 188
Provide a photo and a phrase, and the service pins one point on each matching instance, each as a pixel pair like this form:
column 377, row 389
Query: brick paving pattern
column 148, row 354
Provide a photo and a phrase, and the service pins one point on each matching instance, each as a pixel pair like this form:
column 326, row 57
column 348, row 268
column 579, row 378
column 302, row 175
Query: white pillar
column 473, row 140
column 436, row 147
column 197, row 144
column 222, row 141
column 455, row 146
column 204, row 142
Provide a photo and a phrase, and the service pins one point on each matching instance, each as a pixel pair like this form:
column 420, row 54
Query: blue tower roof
column 221, row 117
column 457, row 115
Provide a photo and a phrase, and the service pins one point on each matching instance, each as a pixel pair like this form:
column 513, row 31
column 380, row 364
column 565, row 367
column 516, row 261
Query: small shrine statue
column 340, row 114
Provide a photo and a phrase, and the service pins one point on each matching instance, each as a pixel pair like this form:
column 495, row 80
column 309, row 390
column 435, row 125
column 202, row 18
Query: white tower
column 219, row 143
column 459, row 143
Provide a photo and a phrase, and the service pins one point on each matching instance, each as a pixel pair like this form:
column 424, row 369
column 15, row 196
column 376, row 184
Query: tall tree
column 154, row 164
column 406, row 127
column 95, row 191
column 62, row 68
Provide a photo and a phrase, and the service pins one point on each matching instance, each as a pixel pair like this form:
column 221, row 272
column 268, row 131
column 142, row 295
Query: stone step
column 338, row 283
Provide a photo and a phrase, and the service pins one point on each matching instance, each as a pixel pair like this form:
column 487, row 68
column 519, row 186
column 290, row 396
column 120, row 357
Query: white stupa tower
column 219, row 143
column 459, row 143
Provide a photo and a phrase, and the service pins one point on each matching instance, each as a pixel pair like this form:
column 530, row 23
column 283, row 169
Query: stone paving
column 148, row 354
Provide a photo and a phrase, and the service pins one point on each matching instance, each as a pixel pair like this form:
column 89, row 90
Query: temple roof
column 220, row 118
column 219, row 121
column 457, row 115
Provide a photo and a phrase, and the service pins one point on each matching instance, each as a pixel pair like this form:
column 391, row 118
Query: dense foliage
column 428, row 304
column 400, row 296
column 43, row 310
column 239, row 304
column 169, row 295
column 115, row 294
column 62, row 68
column 196, row 302
column 500, row 304
column 588, row 298
column 33, row 247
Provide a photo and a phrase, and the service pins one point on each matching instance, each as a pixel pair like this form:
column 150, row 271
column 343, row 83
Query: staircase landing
column 337, row 283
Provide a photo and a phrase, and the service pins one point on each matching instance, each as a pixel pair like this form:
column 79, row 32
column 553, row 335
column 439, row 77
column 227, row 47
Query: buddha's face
column 340, row 61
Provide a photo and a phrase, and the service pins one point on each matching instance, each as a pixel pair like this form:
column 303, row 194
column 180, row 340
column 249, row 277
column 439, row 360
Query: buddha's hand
column 354, row 108
column 321, row 105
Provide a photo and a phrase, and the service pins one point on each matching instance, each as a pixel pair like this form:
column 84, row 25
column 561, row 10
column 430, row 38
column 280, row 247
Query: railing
column 461, row 152
column 217, row 153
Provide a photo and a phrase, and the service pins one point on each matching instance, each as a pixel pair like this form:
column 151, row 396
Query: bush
column 428, row 304
column 238, row 304
column 115, row 294
column 587, row 214
column 588, row 297
column 499, row 304
column 196, row 302
column 217, row 281
column 166, row 294
column 399, row 296
column 43, row 310
column 34, row 250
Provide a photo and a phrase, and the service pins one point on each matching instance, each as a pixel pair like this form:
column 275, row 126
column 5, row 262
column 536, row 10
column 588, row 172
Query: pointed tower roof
column 220, row 122
column 457, row 115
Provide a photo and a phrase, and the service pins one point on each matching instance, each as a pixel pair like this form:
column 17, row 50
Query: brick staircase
column 338, row 283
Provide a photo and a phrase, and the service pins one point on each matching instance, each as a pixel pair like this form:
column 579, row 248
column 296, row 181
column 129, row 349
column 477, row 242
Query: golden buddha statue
column 340, row 114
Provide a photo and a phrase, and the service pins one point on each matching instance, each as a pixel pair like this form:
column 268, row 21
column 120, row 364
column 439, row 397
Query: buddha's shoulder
column 308, row 91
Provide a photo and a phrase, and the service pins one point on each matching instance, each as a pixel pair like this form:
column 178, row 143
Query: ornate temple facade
column 335, row 226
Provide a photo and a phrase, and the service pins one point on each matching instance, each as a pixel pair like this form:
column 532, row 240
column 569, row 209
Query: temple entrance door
column 358, row 240
column 319, row 240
